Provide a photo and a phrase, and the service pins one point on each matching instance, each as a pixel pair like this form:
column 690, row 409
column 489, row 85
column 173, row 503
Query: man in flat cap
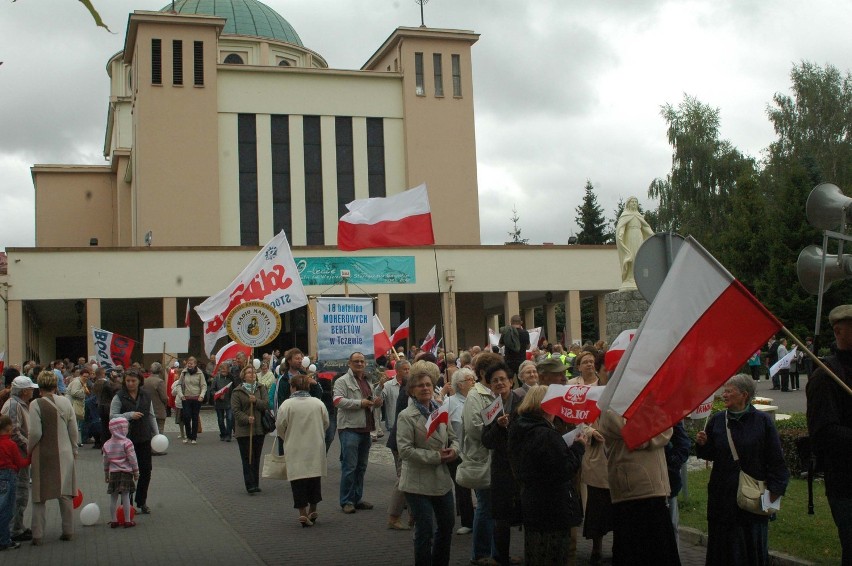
column 830, row 426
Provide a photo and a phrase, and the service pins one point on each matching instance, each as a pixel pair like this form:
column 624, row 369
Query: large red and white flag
column 228, row 352
column 270, row 277
column 438, row 416
column 112, row 349
column 221, row 393
column 430, row 341
column 186, row 318
column 701, row 327
column 381, row 342
column 573, row 403
column 616, row 351
column 492, row 411
column 400, row 220
column 401, row 333
column 2, row 361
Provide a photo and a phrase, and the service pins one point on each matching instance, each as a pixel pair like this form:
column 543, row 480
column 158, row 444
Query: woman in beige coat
column 52, row 445
column 301, row 422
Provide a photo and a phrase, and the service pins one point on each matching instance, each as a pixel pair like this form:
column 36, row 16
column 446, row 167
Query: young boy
column 11, row 462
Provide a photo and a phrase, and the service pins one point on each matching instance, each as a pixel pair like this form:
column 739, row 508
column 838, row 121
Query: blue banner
column 373, row 270
column 344, row 326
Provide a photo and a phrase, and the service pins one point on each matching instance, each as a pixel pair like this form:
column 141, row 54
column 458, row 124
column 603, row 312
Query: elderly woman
column 463, row 382
column 528, row 375
column 265, row 377
column 425, row 478
column 52, row 445
column 301, row 421
column 505, row 491
column 133, row 403
column 736, row 536
column 546, row 468
column 248, row 401
column 77, row 391
column 155, row 387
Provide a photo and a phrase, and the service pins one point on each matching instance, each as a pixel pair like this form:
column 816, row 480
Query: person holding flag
column 222, row 384
column 427, row 444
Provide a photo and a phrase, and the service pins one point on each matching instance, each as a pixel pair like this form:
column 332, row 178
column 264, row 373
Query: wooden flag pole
column 816, row 360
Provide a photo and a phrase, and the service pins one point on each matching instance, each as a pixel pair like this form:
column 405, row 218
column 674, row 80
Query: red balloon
column 119, row 515
column 78, row 499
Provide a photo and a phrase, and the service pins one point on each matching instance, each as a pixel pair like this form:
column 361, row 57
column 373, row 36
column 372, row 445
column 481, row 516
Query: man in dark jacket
column 516, row 341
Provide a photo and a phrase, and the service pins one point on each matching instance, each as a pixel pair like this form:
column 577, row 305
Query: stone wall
column 624, row 310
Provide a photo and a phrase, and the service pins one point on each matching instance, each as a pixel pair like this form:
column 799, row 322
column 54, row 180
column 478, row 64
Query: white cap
column 23, row 382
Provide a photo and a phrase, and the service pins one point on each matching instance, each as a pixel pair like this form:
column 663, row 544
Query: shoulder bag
column 274, row 466
column 749, row 490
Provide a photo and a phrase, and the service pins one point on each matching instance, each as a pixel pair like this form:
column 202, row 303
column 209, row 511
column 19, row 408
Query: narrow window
column 376, row 157
column 418, row 74
column 281, row 207
column 198, row 63
column 456, row 76
column 315, row 234
column 156, row 62
column 247, row 156
column 177, row 62
column 345, row 163
column 439, row 77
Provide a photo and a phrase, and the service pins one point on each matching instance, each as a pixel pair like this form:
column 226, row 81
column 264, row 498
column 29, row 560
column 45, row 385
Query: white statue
column 630, row 232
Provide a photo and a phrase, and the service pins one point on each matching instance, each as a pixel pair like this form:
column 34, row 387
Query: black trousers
column 143, row 457
column 251, row 469
column 103, row 411
column 643, row 533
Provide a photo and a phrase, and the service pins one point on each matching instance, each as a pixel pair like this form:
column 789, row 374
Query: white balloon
column 306, row 361
column 312, row 368
column 90, row 514
column 256, row 363
column 160, row 444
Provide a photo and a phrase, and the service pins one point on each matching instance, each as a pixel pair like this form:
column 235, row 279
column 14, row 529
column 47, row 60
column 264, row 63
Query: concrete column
column 494, row 322
column 511, row 305
column 451, row 334
column 313, row 344
column 600, row 316
column 572, row 317
column 15, row 320
column 529, row 318
column 383, row 310
column 550, row 322
column 170, row 312
column 93, row 318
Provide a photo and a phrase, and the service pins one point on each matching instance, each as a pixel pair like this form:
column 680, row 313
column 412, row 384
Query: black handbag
column 267, row 421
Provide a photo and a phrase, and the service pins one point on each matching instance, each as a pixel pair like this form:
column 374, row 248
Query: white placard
column 171, row 340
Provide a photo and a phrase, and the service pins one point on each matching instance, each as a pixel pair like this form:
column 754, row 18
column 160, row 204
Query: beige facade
column 218, row 138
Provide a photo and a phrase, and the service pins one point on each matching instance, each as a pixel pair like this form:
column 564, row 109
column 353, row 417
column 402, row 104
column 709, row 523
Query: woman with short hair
column 248, row 401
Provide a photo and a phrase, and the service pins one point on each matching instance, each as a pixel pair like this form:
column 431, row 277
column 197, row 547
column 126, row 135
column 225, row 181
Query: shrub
column 790, row 431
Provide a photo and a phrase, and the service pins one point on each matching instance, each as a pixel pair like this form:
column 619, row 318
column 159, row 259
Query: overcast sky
column 565, row 90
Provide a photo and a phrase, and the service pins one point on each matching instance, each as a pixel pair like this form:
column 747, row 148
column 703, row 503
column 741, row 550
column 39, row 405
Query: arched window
column 283, row 63
column 234, row 59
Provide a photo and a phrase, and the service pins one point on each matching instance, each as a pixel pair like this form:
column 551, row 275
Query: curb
column 776, row 558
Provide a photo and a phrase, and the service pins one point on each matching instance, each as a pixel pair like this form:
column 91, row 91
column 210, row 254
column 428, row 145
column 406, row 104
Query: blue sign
column 374, row 270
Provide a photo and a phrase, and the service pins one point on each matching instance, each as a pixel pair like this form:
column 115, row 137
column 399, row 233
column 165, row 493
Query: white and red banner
column 221, row 393
column 701, row 326
column 438, row 416
column 112, row 349
column 186, row 318
column 573, row 403
column 535, row 336
column 404, row 219
column 703, row 410
column 430, row 341
column 228, row 352
column 492, row 411
column 616, row 350
column 494, row 338
column 270, row 277
column 2, row 361
column 783, row 363
column 381, row 342
column 401, row 333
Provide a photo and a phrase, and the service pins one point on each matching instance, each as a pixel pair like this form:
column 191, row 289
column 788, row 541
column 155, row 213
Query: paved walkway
column 202, row 514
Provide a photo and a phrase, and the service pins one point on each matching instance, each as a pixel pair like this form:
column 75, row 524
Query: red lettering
column 261, row 286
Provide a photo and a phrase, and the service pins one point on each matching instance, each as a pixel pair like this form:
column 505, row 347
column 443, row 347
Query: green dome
column 245, row 17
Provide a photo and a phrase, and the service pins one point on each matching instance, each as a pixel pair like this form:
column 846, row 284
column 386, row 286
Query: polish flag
column 698, row 331
column 492, row 411
column 2, row 361
column 381, row 342
column 229, row 352
column 704, row 409
column 401, row 333
column 186, row 316
column 438, row 416
column 429, row 342
column 573, row 403
column 221, row 393
column 616, row 351
column 400, row 220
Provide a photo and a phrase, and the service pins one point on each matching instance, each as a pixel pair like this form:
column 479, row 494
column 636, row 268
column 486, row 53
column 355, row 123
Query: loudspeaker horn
column 827, row 207
column 808, row 266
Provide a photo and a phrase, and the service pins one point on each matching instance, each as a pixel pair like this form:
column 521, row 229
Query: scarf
column 424, row 410
column 250, row 387
column 300, row 394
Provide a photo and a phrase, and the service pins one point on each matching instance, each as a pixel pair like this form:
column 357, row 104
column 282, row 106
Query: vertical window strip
column 457, row 90
column 439, row 76
column 247, row 155
column 198, row 62
column 156, row 62
column 315, row 233
column 345, row 163
column 281, row 192
column 177, row 62
column 376, row 157
column 418, row 74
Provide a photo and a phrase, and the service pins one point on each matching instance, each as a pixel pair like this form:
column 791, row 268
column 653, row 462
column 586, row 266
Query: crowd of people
column 516, row 470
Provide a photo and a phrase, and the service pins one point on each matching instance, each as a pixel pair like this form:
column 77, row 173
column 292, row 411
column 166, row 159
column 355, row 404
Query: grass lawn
column 811, row 537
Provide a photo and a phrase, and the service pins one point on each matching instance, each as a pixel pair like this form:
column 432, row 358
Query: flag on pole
column 186, row 316
column 271, row 277
column 228, row 352
column 401, row 333
column 698, row 331
column 573, row 403
column 704, row 409
column 438, row 416
column 221, row 393
column 404, row 219
column 434, row 349
column 381, row 342
column 783, row 363
column 492, row 411
column 2, row 361
column 429, row 342
column 112, row 349
column 616, row 351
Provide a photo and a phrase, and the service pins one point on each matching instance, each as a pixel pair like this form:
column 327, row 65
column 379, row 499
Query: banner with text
column 363, row 270
column 112, row 349
column 344, row 326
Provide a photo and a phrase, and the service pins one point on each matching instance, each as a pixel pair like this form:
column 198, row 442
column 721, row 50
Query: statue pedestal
column 624, row 310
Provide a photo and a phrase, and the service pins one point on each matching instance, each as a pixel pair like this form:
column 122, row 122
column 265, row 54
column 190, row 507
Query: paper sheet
column 569, row 437
column 768, row 505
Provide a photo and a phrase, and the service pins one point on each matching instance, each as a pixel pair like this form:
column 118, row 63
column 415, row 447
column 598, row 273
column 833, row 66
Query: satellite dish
column 653, row 260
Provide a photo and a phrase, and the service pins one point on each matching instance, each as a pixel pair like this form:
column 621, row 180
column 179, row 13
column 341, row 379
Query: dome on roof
column 244, row 17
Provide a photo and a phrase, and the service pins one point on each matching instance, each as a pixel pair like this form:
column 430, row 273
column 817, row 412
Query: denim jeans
column 225, row 418
column 8, row 489
column 841, row 511
column 354, row 454
column 483, row 527
column 331, row 430
column 191, row 410
column 432, row 547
